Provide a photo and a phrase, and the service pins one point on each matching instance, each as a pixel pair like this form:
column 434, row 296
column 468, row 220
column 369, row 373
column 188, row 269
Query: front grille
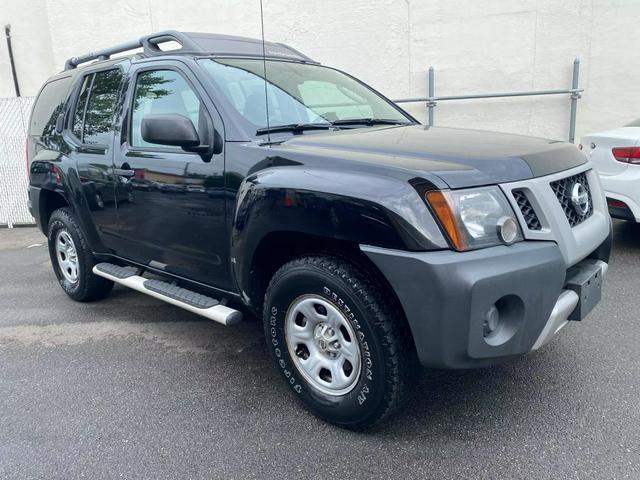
column 529, row 214
column 564, row 189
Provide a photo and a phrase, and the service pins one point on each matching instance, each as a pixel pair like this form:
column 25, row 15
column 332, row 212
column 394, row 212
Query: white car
column 616, row 157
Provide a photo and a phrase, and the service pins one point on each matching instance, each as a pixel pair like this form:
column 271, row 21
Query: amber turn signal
column 443, row 209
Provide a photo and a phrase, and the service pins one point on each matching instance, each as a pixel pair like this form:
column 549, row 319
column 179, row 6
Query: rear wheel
column 72, row 259
column 339, row 340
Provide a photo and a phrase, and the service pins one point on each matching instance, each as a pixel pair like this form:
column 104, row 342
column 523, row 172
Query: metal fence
column 14, row 115
column 575, row 92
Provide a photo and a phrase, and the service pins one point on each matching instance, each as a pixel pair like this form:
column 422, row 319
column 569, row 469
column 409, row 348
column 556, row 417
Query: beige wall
column 475, row 46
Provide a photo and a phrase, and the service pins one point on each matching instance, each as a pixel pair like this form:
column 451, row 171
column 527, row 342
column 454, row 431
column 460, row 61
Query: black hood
column 460, row 157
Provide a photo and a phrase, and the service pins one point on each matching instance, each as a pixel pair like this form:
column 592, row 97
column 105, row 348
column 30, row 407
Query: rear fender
column 51, row 171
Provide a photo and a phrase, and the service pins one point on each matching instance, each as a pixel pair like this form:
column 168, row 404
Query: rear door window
column 48, row 105
column 93, row 117
column 78, row 116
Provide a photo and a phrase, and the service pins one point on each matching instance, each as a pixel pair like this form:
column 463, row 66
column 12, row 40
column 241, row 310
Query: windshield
column 298, row 93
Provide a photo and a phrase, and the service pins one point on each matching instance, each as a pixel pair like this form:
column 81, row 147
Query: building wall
column 475, row 46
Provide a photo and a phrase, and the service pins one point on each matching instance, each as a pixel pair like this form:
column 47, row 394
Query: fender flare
column 59, row 175
column 352, row 207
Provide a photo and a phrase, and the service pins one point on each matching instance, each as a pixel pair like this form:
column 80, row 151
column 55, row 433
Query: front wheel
column 339, row 340
column 72, row 259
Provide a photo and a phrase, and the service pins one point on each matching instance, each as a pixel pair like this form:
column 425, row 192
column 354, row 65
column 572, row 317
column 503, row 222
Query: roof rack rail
column 150, row 44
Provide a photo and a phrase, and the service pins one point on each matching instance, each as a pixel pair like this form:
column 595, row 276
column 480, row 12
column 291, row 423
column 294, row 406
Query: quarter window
column 161, row 92
column 48, row 106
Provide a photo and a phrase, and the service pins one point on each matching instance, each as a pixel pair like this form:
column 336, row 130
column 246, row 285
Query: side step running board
column 181, row 297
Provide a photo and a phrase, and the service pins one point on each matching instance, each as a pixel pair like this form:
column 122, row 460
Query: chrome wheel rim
column 67, row 256
column 323, row 345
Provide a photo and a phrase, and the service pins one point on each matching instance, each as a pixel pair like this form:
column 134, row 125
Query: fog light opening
column 502, row 320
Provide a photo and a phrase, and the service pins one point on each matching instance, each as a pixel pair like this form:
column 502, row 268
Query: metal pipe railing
column 575, row 93
column 14, row 74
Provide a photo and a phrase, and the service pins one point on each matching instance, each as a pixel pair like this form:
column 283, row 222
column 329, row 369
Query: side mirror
column 170, row 129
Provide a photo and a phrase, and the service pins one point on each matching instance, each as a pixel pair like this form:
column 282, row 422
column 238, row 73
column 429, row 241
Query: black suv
column 241, row 176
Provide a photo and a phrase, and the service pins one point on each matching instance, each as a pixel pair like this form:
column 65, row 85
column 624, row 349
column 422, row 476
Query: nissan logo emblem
column 580, row 199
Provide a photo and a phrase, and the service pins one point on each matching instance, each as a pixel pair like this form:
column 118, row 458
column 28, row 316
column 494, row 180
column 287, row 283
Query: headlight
column 475, row 218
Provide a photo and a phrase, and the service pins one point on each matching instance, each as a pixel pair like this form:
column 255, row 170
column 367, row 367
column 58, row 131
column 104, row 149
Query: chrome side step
column 181, row 297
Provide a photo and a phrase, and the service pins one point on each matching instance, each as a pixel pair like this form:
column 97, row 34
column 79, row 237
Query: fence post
column 430, row 101
column 575, row 95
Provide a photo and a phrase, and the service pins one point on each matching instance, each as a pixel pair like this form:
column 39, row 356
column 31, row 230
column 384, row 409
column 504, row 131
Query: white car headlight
column 475, row 218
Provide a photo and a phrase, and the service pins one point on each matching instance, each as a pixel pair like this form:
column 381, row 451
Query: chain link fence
column 14, row 116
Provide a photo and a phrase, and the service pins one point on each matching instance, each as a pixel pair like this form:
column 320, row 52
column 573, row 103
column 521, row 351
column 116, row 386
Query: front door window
column 162, row 91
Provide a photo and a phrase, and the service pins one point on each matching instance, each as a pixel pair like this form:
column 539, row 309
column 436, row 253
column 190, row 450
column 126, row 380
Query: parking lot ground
column 130, row 387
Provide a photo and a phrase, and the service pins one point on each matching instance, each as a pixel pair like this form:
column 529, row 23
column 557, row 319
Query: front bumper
column 449, row 298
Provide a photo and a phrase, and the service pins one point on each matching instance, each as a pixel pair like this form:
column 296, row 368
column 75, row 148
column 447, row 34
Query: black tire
column 88, row 286
column 389, row 363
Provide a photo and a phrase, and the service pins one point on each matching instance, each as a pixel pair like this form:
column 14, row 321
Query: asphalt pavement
column 131, row 387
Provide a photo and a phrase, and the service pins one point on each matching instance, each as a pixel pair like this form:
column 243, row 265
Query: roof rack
column 194, row 43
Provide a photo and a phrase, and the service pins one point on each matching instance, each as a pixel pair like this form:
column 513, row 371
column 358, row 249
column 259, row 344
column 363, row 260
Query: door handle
column 122, row 172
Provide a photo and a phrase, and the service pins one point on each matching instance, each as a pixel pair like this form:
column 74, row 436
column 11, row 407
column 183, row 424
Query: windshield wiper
column 370, row 121
column 294, row 127
column 300, row 127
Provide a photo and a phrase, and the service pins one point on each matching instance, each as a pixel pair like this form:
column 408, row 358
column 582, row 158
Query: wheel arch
column 48, row 202
column 279, row 247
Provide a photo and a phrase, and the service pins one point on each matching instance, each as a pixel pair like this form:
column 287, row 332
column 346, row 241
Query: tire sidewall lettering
column 277, row 352
column 364, row 389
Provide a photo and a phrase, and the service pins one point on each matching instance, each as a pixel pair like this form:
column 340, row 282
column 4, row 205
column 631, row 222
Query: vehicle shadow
column 443, row 403
column 444, row 406
column 487, row 402
column 626, row 234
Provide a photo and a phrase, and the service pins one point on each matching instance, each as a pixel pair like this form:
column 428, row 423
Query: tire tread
column 401, row 364
column 92, row 287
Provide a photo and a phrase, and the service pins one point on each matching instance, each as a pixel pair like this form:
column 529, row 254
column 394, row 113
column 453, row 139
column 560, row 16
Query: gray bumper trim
column 559, row 317
column 563, row 308
column 447, row 295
